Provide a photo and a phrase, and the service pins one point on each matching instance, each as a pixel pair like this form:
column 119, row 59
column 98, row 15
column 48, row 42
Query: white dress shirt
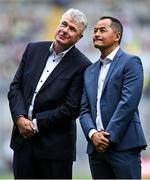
column 102, row 75
column 52, row 62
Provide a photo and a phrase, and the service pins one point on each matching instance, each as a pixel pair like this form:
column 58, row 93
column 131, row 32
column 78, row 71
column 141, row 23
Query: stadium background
column 22, row 21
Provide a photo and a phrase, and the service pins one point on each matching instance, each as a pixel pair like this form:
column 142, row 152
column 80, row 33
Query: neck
column 59, row 48
column 106, row 51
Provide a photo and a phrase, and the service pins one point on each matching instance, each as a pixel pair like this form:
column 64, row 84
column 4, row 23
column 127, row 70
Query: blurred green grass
column 6, row 175
column 9, row 176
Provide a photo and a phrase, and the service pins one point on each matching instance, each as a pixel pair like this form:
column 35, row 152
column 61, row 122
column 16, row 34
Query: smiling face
column 68, row 32
column 105, row 37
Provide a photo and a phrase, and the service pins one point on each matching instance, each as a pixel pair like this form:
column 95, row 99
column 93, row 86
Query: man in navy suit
column 44, row 100
column 109, row 107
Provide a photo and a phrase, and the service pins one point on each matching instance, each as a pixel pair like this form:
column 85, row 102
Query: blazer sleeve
column 15, row 94
column 86, row 120
column 130, row 97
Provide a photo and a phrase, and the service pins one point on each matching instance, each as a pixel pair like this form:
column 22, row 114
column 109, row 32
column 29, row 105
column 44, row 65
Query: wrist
column 18, row 119
column 91, row 133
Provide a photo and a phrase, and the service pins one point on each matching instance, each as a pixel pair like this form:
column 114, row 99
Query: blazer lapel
column 95, row 72
column 112, row 66
column 62, row 65
column 39, row 68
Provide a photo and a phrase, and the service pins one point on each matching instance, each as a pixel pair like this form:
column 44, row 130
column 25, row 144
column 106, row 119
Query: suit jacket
column 118, row 104
column 56, row 105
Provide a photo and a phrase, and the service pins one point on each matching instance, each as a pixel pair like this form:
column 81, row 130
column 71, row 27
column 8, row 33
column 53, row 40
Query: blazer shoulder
column 127, row 55
column 37, row 48
column 127, row 59
column 40, row 44
column 92, row 66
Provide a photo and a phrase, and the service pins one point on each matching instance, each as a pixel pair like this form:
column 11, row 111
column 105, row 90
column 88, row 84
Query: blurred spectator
column 7, row 154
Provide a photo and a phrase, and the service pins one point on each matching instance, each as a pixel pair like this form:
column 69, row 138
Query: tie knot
column 105, row 61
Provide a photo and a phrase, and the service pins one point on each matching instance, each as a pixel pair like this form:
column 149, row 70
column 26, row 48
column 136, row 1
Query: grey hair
column 78, row 17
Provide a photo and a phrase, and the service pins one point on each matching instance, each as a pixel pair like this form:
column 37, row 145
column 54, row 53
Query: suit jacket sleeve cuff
column 35, row 125
column 91, row 132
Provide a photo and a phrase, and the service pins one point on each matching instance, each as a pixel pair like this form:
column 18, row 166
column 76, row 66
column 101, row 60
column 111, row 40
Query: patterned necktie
column 105, row 61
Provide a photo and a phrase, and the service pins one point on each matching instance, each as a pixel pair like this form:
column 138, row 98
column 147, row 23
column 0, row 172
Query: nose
column 66, row 29
column 97, row 33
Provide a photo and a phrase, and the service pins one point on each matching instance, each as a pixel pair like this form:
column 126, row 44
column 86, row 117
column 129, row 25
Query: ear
column 118, row 35
column 81, row 36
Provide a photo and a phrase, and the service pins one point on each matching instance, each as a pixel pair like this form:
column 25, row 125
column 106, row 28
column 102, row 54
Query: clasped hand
column 26, row 127
column 100, row 140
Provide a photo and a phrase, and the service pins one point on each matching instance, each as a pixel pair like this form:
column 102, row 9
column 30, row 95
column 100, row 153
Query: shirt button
column 35, row 92
column 53, row 60
column 47, row 70
column 41, row 80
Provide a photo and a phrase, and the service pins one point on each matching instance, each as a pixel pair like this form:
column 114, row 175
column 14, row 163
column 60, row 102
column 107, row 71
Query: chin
column 59, row 39
column 97, row 46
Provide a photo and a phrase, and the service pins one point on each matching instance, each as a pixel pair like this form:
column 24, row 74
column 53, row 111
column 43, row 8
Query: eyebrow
column 71, row 27
column 103, row 27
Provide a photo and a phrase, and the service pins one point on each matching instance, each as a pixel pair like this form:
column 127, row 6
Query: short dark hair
column 115, row 24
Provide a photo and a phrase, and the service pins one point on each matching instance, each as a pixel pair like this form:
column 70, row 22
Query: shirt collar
column 62, row 54
column 113, row 53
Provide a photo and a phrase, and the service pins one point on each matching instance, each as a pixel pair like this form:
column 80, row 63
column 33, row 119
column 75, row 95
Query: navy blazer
column 56, row 105
column 118, row 104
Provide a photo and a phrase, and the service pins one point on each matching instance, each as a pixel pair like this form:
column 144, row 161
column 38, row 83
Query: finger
column 105, row 140
column 28, row 133
column 31, row 125
column 106, row 134
column 100, row 149
column 104, row 147
column 105, row 144
column 29, row 128
column 27, row 125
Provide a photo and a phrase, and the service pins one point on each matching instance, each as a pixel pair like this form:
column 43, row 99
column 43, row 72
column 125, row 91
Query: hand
column 26, row 127
column 100, row 141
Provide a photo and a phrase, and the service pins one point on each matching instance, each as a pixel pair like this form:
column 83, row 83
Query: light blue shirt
column 101, row 79
column 52, row 62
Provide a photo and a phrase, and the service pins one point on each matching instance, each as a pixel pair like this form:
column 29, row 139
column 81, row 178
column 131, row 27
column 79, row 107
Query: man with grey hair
column 44, row 100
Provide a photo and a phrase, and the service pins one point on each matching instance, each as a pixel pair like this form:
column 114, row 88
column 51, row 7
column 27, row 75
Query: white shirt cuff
column 35, row 125
column 91, row 132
